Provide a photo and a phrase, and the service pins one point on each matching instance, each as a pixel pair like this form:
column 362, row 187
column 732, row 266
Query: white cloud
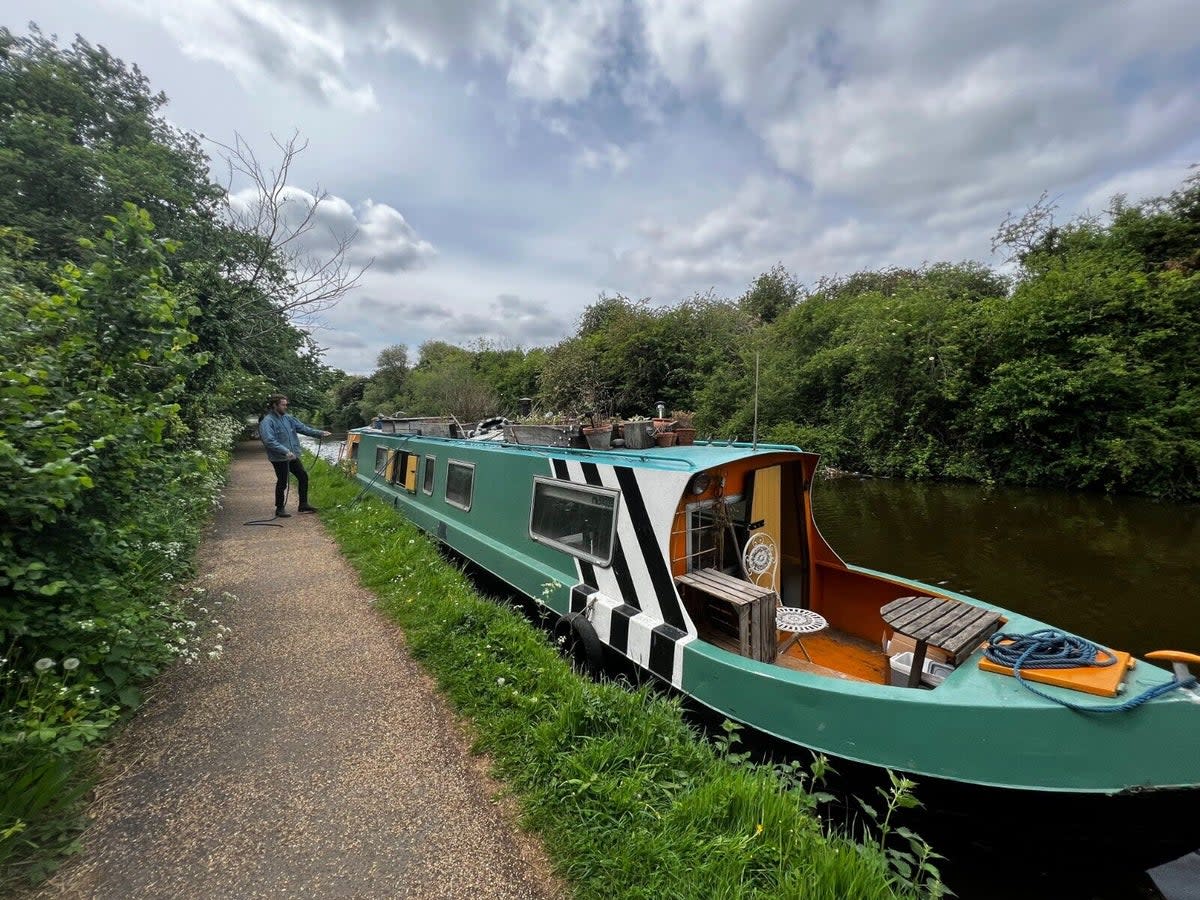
column 1152, row 181
column 608, row 156
column 919, row 105
column 264, row 42
column 389, row 240
column 380, row 234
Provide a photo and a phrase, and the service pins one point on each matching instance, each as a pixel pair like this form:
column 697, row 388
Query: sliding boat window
column 381, row 458
column 460, row 483
column 579, row 519
column 430, row 468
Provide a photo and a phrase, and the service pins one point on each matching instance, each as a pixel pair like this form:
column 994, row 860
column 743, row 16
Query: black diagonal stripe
column 618, row 627
column 663, row 643
column 588, row 571
column 560, row 469
column 660, row 575
column 579, row 596
column 620, row 566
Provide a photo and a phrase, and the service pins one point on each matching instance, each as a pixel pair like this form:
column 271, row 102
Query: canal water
column 1122, row 571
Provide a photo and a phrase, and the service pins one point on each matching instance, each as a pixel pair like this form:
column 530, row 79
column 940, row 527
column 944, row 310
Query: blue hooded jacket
column 278, row 435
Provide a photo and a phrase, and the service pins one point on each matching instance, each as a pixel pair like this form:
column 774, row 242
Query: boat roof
column 692, row 457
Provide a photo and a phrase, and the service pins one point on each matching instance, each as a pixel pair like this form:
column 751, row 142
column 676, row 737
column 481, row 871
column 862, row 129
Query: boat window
column 404, row 470
column 381, row 455
column 354, row 450
column 580, row 520
column 398, row 466
column 460, row 483
column 430, row 468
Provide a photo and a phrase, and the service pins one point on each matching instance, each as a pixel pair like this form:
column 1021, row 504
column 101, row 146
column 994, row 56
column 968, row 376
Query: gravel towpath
column 313, row 758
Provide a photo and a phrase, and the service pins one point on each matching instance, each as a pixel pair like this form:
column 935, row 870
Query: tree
column 771, row 295
column 384, row 392
column 81, row 134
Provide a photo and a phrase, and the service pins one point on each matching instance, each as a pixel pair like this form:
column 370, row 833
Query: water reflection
column 1122, row 571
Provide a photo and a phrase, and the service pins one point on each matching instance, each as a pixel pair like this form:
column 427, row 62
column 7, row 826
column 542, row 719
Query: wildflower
column 70, row 664
column 500, row 680
column 43, row 664
column 758, row 829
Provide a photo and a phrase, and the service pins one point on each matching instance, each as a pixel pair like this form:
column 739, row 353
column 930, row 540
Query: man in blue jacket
column 278, row 432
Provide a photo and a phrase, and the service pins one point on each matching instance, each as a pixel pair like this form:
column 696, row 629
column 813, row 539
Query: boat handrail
column 749, row 446
column 684, row 464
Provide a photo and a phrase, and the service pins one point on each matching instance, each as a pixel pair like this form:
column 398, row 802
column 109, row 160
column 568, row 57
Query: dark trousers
column 282, row 467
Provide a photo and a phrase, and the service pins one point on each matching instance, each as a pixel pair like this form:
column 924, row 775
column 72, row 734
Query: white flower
column 70, row 664
column 43, row 664
column 500, row 680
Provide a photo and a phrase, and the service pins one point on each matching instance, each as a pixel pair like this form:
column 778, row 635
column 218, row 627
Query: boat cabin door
column 773, row 515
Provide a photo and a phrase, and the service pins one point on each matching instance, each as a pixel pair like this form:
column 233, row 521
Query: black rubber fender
column 580, row 643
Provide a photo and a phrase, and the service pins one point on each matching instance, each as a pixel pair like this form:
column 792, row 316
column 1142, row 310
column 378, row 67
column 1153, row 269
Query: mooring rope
column 1050, row 649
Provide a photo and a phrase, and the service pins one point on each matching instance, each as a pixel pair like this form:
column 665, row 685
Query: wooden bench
column 752, row 606
column 953, row 626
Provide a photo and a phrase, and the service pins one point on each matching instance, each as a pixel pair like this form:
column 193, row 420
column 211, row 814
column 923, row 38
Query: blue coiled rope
column 1050, row 649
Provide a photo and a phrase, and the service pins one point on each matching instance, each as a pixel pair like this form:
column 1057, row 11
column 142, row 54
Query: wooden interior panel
column 850, row 601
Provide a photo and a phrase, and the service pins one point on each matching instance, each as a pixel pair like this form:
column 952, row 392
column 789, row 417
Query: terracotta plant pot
column 599, row 437
column 685, row 435
column 665, row 438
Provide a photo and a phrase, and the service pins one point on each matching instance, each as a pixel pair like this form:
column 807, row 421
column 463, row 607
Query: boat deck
column 834, row 654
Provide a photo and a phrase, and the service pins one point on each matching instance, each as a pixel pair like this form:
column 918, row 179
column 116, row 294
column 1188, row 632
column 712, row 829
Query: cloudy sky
column 503, row 163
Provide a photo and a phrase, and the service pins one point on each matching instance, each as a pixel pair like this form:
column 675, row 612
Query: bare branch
column 302, row 273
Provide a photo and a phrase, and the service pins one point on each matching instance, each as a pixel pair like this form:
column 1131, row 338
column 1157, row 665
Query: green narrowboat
column 703, row 565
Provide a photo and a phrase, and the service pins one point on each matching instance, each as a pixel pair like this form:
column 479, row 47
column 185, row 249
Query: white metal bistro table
column 799, row 622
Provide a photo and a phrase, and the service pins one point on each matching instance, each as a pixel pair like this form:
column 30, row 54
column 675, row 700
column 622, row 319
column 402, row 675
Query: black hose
column 383, row 468
column 271, row 521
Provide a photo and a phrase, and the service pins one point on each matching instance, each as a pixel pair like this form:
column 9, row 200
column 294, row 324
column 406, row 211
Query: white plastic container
column 932, row 673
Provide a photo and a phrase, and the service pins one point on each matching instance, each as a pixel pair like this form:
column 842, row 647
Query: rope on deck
column 1051, row 649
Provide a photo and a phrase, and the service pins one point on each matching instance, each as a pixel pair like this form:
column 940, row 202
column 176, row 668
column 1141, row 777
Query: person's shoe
column 306, row 508
column 280, row 514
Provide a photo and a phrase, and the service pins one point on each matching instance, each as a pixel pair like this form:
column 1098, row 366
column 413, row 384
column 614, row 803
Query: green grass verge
column 629, row 800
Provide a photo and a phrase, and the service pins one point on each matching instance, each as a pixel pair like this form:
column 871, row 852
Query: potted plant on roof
column 597, row 433
column 638, row 433
column 685, row 431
